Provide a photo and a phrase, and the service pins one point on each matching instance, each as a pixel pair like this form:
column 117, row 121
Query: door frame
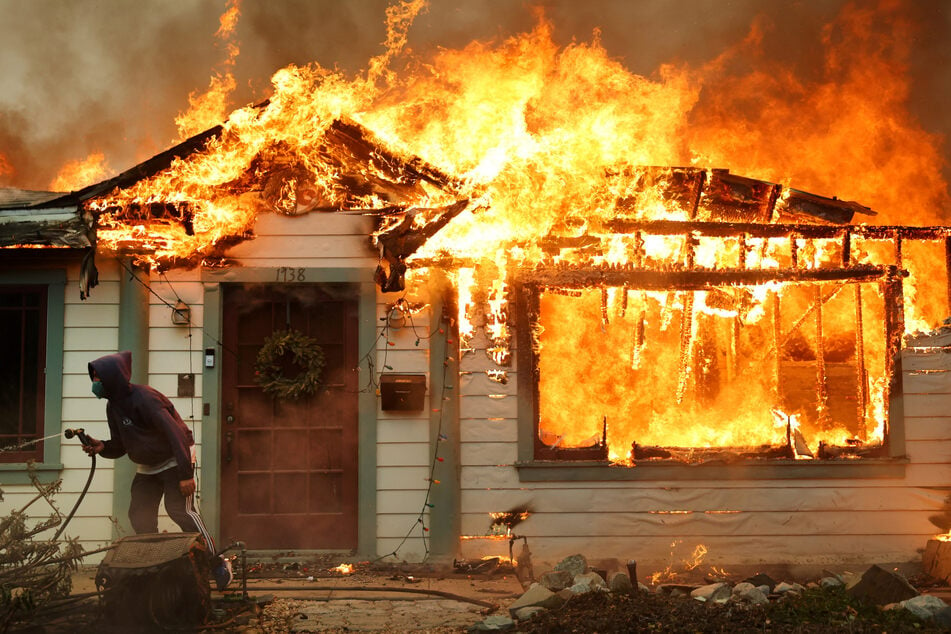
column 210, row 458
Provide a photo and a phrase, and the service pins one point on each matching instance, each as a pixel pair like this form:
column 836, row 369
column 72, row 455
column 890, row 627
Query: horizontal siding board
column 291, row 247
column 488, row 453
column 927, row 382
column 343, row 262
column 402, row 430
column 488, row 430
column 507, row 478
column 95, row 315
column 402, row 361
column 412, row 549
column 403, row 454
column 399, row 524
column 312, row 224
column 390, row 502
column 654, row 554
column 928, row 428
column 402, row 478
column 927, row 404
column 76, row 339
column 937, row 359
column 106, row 292
column 173, row 338
column 488, row 407
column 172, row 362
column 703, row 499
column 702, row 525
column 479, row 361
column 476, row 383
column 189, row 290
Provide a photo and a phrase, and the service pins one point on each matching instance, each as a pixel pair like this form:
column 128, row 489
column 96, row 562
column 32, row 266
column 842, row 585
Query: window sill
column 546, row 470
column 13, row 473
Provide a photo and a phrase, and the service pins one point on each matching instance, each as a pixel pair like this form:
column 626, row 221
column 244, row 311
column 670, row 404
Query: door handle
column 229, row 437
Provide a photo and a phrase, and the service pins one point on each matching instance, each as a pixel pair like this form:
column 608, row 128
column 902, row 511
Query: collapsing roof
column 363, row 169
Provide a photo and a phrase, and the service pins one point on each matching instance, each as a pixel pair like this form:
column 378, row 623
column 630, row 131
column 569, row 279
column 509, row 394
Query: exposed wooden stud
column 822, row 388
column 862, row 388
column 846, row 248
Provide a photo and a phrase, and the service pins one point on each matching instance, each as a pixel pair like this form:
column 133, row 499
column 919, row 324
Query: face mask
column 98, row 389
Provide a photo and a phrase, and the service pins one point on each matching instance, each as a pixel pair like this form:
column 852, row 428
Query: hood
column 115, row 371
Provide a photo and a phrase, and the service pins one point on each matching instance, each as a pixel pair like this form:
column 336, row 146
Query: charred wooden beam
column 47, row 227
column 763, row 230
column 696, row 279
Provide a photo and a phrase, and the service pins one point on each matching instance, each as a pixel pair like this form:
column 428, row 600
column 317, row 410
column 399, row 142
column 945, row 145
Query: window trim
column 15, row 473
column 532, row 468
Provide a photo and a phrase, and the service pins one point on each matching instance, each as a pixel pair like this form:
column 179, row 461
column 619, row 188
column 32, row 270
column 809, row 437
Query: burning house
column 381, row 355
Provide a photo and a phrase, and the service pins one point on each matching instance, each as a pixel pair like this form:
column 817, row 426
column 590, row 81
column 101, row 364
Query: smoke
column 111, row 76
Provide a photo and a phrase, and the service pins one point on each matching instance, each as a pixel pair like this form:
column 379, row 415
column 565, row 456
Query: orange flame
column 80, row 173
column 6, row 167
column 344, row 569
column 209, row 108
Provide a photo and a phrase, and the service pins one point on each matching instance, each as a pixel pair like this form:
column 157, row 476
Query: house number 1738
column 290, row 274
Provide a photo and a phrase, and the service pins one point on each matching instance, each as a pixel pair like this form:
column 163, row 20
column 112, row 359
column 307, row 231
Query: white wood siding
column 798, row 521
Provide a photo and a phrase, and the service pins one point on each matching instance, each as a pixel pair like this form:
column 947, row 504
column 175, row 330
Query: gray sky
column 110, row 75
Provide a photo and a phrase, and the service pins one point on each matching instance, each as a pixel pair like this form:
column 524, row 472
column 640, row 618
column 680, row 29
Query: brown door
column 289, row 467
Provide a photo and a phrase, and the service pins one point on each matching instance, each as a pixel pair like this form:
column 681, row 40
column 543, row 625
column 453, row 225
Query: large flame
column 79, row 173
column 554, row 140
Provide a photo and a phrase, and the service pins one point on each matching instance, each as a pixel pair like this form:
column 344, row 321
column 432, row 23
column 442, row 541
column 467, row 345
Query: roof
column 27, row 219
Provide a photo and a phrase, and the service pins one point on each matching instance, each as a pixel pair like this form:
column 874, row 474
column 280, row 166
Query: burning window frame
column 538, row 461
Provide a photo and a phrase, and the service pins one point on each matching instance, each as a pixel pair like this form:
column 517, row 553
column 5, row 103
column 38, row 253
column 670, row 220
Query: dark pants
column 148, row 490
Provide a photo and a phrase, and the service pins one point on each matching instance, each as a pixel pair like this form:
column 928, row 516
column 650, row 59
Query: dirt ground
column 296, row 596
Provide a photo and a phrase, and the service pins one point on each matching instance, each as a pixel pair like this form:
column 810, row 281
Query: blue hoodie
column 142, row 421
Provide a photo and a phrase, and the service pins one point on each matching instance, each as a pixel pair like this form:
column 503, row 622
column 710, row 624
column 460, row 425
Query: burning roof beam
column 567, row 276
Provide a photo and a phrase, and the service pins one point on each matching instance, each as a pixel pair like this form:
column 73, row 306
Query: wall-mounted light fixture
column 181, row 313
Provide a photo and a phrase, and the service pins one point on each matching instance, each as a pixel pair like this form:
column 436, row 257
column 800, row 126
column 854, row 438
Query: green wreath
column 307, row 355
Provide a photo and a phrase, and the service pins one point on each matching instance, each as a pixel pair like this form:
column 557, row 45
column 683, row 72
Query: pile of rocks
column 573, row 576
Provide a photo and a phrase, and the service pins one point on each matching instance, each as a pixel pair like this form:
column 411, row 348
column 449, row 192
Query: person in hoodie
column 144, row 425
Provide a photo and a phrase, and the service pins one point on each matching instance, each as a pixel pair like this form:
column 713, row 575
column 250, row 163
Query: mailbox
column 403, row 392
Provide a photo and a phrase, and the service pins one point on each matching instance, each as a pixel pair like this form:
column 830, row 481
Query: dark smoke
column 110, row 76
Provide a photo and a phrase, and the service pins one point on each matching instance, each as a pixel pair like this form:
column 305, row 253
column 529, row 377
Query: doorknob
column 229, row 437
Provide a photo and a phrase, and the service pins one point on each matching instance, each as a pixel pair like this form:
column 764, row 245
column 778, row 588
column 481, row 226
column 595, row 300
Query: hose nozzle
column 78, row 433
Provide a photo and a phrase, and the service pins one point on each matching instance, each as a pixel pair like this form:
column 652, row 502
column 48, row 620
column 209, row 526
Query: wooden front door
column 289, row 467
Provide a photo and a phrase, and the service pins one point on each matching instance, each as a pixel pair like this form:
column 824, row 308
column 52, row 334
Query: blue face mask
column 98, row 389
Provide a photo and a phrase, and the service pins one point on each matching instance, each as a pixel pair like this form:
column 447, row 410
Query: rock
column 524, row 614
column 494, row 623
column 783, row 588
column 573, row 565
column 924, row 606
column 643, row 587
column 588, row 582
column 591, row 579
column 764, row 589
column 761, row 579
column 831, row 582
column 713, row 592
column 849, row 579
column 676, row 589
column 748, row 593
column 565, row 594
column 880, row 586
column 536, row 595
column 556, row 580
column 620, row 582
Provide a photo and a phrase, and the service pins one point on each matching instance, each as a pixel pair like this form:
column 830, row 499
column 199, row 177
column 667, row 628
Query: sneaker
column 222, row 573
